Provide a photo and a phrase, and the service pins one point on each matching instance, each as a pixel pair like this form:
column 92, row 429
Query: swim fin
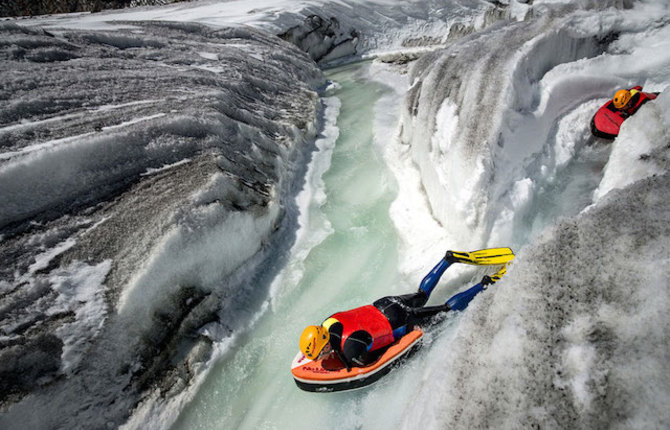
column 488, row 280
column 483, row 257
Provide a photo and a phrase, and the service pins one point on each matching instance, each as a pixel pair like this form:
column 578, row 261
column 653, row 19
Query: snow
column 152, row 171
column 80, row 287
column 42, row 260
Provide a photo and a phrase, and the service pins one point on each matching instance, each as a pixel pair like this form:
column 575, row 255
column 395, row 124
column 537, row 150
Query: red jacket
column 367, row 318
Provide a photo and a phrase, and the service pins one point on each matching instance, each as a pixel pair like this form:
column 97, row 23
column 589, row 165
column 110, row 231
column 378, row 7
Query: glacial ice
column 117, row 191
column 125, row 165
column 570, row 337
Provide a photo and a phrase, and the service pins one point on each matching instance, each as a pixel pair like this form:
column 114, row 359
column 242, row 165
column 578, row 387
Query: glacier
column 126, row 163
column 151, row 171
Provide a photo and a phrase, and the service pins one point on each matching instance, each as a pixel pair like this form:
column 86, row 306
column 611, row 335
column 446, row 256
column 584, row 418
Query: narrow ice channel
column 349, row 252
column 345, row 255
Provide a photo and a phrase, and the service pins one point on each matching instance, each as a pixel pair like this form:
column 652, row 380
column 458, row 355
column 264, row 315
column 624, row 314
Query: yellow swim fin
column 483, row 257
column 488, row 280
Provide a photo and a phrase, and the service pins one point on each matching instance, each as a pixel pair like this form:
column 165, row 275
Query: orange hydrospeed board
column 329, row 374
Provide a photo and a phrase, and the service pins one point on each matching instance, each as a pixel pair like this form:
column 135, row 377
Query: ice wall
column 327, row 30
column 481, row 115
column 575, row 336
column 336, row 30
column 144, row 173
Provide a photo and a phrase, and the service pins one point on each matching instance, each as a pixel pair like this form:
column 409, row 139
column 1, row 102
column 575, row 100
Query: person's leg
column 461, row 301
column 421, row 316
column 395, row 310
column 414, row 300
column 406, row 311
column 458, row 302
column 432, row 278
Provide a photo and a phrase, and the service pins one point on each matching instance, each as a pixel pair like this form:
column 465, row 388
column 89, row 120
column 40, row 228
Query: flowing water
column 345, row 255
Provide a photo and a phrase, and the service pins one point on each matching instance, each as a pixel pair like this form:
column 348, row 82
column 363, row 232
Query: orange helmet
column 621, row 98
column 312, row 340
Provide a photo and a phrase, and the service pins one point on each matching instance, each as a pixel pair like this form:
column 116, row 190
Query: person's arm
column 633, row 104
column 356, row 347
column 338, row 351
column 342, row 358
column 335, row 331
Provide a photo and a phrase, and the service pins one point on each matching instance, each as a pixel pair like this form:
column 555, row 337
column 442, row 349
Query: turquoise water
column 347, row 257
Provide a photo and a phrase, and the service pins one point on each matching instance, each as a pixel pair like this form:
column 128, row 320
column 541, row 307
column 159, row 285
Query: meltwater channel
column 346, row 255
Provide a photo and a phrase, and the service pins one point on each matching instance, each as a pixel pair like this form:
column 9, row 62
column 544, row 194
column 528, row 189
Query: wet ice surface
column 346, row 255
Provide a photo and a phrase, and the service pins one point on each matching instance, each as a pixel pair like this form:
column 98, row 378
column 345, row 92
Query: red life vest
column 367, row 318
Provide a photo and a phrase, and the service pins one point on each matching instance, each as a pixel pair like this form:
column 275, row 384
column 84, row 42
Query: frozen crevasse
column 131, row 151
column 146, row 145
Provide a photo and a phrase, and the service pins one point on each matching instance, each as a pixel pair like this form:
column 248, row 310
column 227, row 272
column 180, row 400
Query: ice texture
column 143, row 173
column 480, row 121
column 575, row 335
column 147, row 176
column 327, row 30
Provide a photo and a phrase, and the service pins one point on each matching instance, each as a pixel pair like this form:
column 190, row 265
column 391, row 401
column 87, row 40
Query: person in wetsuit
column 360, row 335
column 628, row 101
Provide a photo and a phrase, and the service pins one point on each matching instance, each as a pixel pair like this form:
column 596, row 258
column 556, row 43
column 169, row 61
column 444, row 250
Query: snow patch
column 80, row 290
column 42, row 260
column 209, row 55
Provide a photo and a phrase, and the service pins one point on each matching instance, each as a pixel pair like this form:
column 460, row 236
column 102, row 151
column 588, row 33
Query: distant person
column 358, row 336
column 628, row 101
